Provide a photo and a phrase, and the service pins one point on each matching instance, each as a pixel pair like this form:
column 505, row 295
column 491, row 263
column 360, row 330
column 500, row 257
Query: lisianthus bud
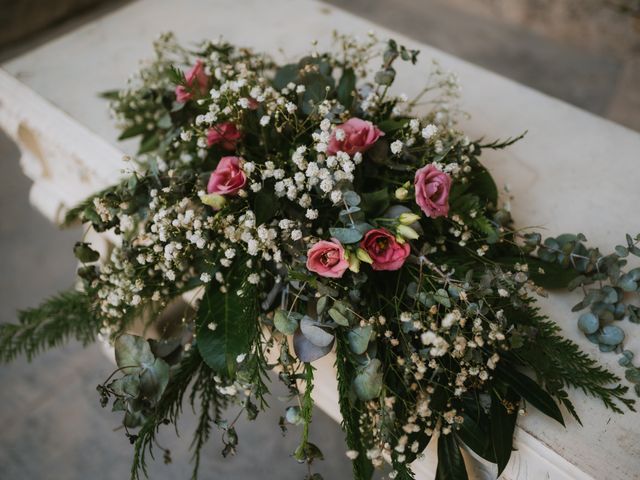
column 408, row 218
column 401, row 193
column 213, row 200
column 363, row 256
column 354, row 263
column 407, row 232
column 400, row 239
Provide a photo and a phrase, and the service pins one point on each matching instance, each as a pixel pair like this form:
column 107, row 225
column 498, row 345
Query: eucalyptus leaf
column 346, row 235
column 132, row 351
column 154, row 380
column 315, row 332
column 368, row 382
column 284, row 322
column 307, row 351
column 359, row 339
column 338, row 317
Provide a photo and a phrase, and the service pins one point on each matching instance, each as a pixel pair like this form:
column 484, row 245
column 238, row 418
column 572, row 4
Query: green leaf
column 132, row 351
column 284, row 322
column 346, row 88
column 285, row 74
column 528, row 389
column 375, row 203
column 85, row 253
column 153, row 380
column 476, row 438
column 338, row 317
column 450, row 462
column 484, row 185
column 503, row 425
column 359, row 339
column 368, row 382
column 265, row 206
column 346, row 235
column 132, row 131
column 234, row 317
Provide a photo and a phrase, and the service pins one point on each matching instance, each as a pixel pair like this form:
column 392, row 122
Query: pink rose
column 432, row 191
column 384, row 249
column 227, row 178
column 327, row 259
column 359, row 135
column 196, row 81
column 226, row 134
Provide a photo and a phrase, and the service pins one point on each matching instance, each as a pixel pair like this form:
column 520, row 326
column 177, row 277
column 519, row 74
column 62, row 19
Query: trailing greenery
column 68, row 315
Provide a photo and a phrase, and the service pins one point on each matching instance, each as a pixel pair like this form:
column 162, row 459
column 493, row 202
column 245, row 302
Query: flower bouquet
column 289, row 212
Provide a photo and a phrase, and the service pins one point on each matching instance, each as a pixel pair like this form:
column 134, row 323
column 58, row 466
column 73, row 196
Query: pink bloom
column 226, row 134
column 432, row 191
column 327, row 259
column 384, row 249
column 227, row 178
column 359, row 135
column 197, row 82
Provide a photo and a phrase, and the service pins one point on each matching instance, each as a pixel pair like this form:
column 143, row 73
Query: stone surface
column 580, row 51
column 53, row 427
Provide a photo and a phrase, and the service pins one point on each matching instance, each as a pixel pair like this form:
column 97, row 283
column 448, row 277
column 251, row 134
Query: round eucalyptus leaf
column 315, row 332
column 132, row 351
column 292, row 415
column 632, row 375
column 154, row 379
column 128, row 385
column 368, row 382
column 627, row 283
column 359, row 339
column 351, row 198
column 588, row 323
column 611, row 335
column 307, row 351
column 284, row 322
column 346, row 235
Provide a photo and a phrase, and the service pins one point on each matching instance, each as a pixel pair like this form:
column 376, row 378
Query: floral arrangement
column 288, row 212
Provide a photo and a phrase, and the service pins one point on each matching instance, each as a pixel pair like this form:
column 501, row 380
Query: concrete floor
column 52, row 424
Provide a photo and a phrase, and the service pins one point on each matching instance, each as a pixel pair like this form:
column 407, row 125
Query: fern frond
column 60, row 318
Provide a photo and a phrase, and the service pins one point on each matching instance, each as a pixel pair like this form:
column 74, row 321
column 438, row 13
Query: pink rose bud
column 432, row 191
column 383, row 248
column 226, row 134
column 196, row 82
column 354, row 135
column 227, row 178
column 327, row 259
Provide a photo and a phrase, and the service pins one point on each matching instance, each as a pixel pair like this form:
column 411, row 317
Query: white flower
column 336, row 196
column 325, row 125
column 264, row 120
column 396, row 147
column 291, row 107
column 429, row 131
column 339, row 133
column 296, row 234
column 311, row 214
column 254, row 278
column 205, row 278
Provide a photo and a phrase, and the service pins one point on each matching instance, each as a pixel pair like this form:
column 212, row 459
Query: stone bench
column 573, row 172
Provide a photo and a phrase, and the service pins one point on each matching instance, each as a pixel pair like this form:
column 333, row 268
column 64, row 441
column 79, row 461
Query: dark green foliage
column 362, row 468
column 233, row 317
column 191, row 369
column 450, row 462
column 68, row 315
